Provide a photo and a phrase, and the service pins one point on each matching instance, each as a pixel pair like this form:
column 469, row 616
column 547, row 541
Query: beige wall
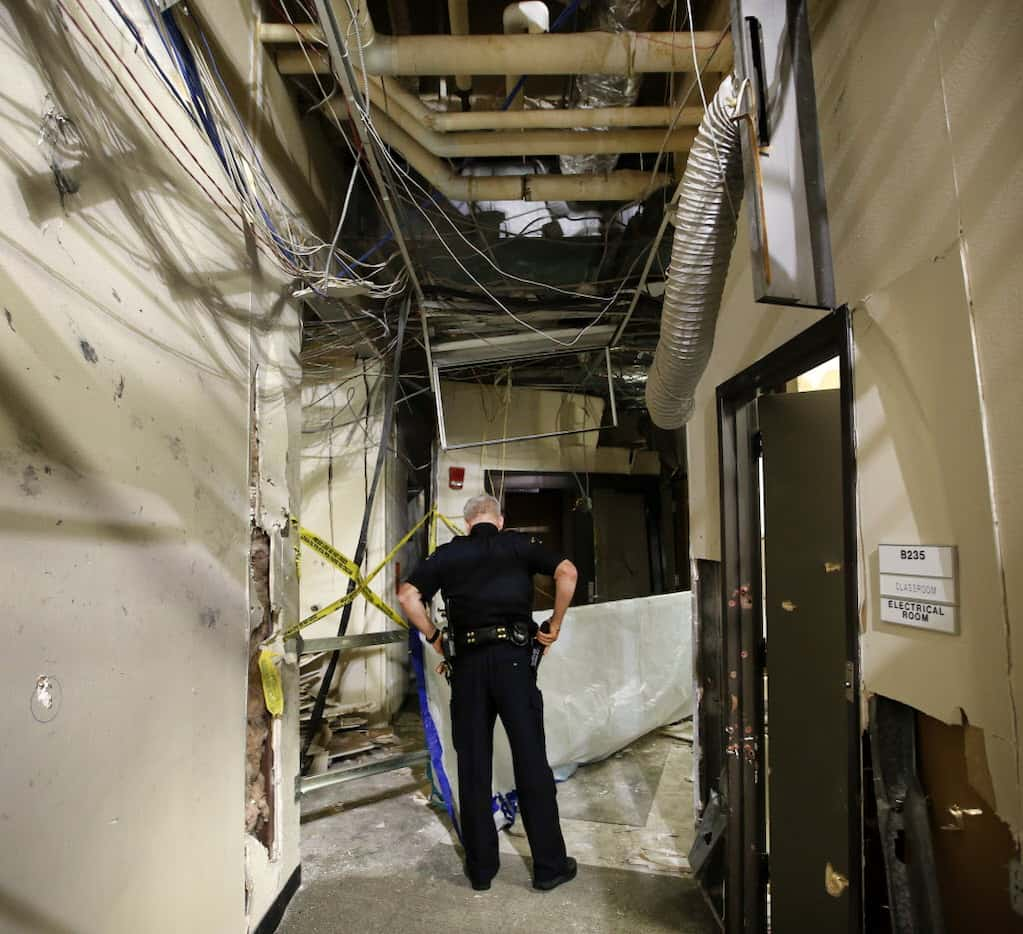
column 925, row 187
column 476, row 412
column 139, row 333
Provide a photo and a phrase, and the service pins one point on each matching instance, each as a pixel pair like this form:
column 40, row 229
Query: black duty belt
column 517, row 633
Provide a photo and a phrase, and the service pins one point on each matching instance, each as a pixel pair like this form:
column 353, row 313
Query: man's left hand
column 547, row 639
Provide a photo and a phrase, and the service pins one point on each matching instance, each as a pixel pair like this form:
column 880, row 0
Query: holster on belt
column 447, row 645
column 536, row 656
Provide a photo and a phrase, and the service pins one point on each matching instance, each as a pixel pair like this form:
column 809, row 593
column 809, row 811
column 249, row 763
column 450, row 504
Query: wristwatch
column 435, row 636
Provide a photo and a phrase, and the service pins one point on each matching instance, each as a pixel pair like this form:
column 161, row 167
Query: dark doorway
column 791, row 740
column 609, row 524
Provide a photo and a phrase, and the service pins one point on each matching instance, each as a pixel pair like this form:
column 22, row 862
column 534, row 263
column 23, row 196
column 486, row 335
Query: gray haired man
column 486, row 579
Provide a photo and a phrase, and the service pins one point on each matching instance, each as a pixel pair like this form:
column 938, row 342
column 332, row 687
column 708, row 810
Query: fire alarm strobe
column 456, row 477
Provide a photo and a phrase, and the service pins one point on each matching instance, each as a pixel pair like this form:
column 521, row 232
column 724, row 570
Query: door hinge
column 758, row 443
column 762, row 652
column 850, row 682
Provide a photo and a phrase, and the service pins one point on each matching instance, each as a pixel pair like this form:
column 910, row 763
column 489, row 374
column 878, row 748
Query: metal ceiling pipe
column 563, row 53
column 526, row 16
column 705, row 223
column 615, row 186
column 518, row 143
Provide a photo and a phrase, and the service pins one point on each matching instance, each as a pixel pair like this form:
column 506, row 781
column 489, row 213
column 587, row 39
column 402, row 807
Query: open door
column 789, row 790
column 809, row 675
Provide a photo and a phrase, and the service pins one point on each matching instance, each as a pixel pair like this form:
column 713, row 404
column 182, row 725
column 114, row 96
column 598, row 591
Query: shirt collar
column 484, row 529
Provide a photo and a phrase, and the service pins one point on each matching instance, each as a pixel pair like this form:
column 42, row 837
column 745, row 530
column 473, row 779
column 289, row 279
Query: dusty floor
column 377, row 857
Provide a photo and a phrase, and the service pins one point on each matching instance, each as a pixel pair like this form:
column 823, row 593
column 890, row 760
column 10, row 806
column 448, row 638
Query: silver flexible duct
column 705, row 223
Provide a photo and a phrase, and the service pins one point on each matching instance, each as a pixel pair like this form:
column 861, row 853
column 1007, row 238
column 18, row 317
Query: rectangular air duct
column 789, row 235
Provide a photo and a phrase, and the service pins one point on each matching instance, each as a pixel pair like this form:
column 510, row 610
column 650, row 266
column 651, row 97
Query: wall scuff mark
column 46, row 698
column 62, row 144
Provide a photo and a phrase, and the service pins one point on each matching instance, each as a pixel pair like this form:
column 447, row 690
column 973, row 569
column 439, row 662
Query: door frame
column 746, row 869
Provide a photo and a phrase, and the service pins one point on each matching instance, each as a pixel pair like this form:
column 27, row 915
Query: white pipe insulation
column 621, row 185
column 458, row 16
column 705, row 224
column 526, row 16
column 560, row 53
column 514, row 143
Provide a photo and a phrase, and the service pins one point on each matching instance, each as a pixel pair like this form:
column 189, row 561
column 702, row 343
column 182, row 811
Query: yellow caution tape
column 351, row 570
column 273, row 691
column 454, row 529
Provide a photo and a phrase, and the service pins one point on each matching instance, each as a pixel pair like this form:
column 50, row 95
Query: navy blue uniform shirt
column 486, row 576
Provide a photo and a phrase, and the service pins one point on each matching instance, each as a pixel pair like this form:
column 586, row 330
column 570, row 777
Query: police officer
column 486, row 579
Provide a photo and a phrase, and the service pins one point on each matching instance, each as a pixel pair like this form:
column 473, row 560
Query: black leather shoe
column 478, row 886
column 567, row 876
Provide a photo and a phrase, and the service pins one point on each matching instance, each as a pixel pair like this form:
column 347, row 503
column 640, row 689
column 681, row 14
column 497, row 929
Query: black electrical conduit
column 360, row 551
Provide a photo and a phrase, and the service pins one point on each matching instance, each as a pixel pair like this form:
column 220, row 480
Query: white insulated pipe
column 516, row 143
column 526, row 16
column 614, row 186
column 561, row 53
column 550, row 118
column 705, row 223
column 560, row 118
column 458, row 16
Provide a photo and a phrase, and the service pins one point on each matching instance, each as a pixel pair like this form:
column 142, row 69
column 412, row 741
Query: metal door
column 809, row 688
column 622, row 545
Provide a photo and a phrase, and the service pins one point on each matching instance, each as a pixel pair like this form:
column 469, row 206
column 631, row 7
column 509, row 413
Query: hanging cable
column 320, row 703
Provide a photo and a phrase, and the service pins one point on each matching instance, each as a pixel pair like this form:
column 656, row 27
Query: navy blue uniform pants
column 489, row 682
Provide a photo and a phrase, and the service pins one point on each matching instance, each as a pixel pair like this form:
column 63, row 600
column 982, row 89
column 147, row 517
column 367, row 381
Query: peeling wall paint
column 925, row 197
column 134, row 315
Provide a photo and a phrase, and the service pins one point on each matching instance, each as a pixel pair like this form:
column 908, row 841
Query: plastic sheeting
column 618, row 671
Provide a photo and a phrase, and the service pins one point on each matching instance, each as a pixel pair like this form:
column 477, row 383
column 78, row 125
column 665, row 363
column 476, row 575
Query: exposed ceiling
column 578, row 267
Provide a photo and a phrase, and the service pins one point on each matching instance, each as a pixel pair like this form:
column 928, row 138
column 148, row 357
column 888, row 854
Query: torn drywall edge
column 990, row 760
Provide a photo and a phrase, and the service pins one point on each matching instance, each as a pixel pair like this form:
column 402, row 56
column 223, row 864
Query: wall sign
column 937, row 616
column 919, row 586
column 935, row 589
column 918, row 560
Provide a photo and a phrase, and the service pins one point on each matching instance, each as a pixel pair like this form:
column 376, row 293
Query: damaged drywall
column 272, row 844
column 973, row 848
column 259, row 755
column 130, row 304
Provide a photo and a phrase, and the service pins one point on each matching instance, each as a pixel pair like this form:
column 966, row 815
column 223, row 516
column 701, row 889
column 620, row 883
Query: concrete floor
column 376, row 856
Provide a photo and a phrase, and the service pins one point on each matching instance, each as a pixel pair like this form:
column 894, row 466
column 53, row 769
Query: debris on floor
column 376, row 851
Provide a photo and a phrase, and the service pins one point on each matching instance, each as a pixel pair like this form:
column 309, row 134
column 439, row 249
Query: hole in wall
column 259, row 725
